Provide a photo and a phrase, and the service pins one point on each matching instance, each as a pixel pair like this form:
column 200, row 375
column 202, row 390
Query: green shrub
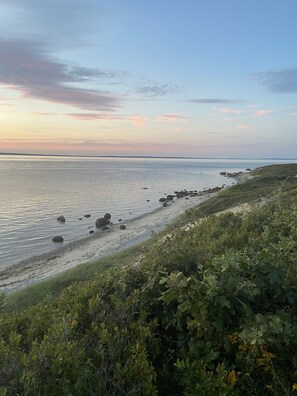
column 209, row 310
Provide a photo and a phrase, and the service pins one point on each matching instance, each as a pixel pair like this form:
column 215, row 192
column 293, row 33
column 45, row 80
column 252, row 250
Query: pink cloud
column 263, row 112
column 2, row 99
column 138, row 121
column 42, row 113
column 92, row 116
column 230, row 111
column 88, row 147
column 242, row 126
column 170, row 118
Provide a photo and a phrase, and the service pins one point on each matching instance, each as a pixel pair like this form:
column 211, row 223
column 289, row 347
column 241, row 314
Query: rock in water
column 122, row 227
column 107, row 216
column 102, row 222
column 169, row 197
column 58, row 238
column 61, row 219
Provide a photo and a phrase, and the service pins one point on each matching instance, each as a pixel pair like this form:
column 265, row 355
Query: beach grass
column 52, row 287
column 266, row 182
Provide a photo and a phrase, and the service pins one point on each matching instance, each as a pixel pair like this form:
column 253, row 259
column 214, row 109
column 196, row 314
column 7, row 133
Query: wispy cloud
column 79, row 73
column 4, row 102
column 279, row 80
column 242, row 126
column 170, row 118
column 229, row 110
column 95, row 116
column 217, row 101
column 263, row 112
column 26, row 67
column 42, row 113
column 153, row 90
column 138, row 120
column 88, row 146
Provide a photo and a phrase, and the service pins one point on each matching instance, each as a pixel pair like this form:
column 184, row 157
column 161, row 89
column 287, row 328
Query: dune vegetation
column 208, row 307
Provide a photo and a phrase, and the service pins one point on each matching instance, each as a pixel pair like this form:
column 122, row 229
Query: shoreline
column 89, row 249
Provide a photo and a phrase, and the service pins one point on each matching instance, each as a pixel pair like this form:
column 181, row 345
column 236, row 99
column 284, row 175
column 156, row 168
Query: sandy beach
column 90, row 249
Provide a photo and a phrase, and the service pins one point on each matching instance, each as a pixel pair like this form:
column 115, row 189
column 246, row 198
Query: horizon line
column 141, row 156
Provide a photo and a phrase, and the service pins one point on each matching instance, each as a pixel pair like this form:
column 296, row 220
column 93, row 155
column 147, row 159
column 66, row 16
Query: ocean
column 35, row 190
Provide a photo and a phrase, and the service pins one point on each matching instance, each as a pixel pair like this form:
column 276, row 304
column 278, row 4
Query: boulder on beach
column 122, row 227
column 105, row 228
column 58, row 238
column 107, row 216
column 101, row 222
column 61, row 219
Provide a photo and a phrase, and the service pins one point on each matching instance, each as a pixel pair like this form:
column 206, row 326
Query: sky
column 191, row 78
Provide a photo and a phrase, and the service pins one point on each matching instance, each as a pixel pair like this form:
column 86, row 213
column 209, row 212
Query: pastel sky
column 195, row 78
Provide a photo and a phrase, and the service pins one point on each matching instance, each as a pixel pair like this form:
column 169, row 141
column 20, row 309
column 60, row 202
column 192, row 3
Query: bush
column 209, row 310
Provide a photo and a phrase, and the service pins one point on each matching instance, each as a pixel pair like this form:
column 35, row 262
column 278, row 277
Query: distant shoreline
column 146, row 156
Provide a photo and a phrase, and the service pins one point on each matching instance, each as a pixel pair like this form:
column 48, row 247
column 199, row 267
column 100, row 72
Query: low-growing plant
column 210, row 309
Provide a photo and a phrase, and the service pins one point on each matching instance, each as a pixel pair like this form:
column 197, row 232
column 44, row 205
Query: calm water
column 34, row 191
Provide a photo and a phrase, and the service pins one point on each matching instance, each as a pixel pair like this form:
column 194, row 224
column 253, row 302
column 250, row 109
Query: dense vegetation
column 209, row 310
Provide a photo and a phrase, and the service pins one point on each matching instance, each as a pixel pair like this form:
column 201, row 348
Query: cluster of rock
column 102, row 223
column 231, row 174
column 189, row 193
column 234, row 174
column 169, row 197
